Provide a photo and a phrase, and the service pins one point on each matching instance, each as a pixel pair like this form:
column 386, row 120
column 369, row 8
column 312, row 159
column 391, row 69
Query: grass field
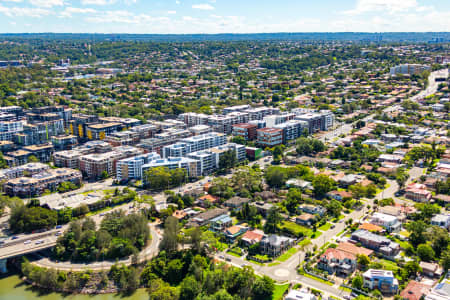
column 273, row 264
column 316, row 234
column 325, row 227
column 297, row 229
column 304, row 242
column 317, row 278
column 279, row 291
column 286, row 255
column 389, row 265
column 234, row 254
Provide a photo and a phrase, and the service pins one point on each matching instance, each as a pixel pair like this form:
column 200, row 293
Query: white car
column 39, row 242
column 27, row 242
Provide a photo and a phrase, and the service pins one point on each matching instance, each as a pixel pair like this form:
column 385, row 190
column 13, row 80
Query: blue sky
column 223, row 16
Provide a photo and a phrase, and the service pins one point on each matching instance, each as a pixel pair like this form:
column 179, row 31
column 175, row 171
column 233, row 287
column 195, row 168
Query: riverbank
column 12, row 287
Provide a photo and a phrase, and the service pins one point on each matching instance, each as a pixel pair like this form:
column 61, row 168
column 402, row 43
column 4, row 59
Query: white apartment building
column 205, row 141
column 131, row 167
column 9, row 128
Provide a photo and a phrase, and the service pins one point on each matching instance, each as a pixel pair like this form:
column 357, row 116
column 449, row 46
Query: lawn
column 317, row 278
column 234, row 254
column 325, row 227
column 279, row 291
column 316, row 234
column 389, row 265
column 345, row 289
column 297, row 229
column 273, row 264
column 304, row 242
column 286, row 255
column 221, row 246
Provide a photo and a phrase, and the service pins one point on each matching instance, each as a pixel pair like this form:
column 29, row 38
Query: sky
column 223, row 16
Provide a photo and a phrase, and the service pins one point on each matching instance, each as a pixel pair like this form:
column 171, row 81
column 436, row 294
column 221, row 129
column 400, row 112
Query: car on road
column 333, row 226
column 58, row 226
column 221, row 257
column 102, row 214
column 39, row 242
column 347, row 297
column 58, row 233
column 399, row 193
column 27, row 242
column 228, row 259
column 244, row 265
column 14, row 238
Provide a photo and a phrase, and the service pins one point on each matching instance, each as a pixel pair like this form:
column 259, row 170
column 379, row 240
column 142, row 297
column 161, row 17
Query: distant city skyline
column 223, row 16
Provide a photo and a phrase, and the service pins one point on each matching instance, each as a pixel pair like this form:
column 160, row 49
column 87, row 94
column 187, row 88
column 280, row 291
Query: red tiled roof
column 414, row 290
column 332, row 253
column 353, row 249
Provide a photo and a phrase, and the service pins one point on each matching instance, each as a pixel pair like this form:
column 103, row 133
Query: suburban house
column 415, row 291
column 337, row 261
column 236, row 202
column 298, row 183
column 431, row 270
column 418, row 192
column 207, row 200
column 376, row 242
column 353, row 249
column 252, row 237
column 348, row 180
column 274, row 245
column 371, row 227
column 232, row 232
column 221, row 222
column 441, row 220
column 262, row 207
column 391, row 223
column 339, row 195
column 205, row 217
column 382, row 280
column 305, row 219
column 302, row 294
column 313, row 209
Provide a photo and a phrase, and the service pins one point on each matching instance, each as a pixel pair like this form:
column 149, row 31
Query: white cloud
column 15, row 1
column 97, row 2
column 389, row 6
column 69, row 11
column 126, row 17
column 24, row 12
column 171, row 12
column 47, row 3
column 204, row 6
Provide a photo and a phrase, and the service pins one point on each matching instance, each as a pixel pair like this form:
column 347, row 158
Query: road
column 432, row 85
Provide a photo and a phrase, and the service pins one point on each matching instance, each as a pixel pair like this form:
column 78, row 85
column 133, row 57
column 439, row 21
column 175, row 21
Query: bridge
column 26, row 244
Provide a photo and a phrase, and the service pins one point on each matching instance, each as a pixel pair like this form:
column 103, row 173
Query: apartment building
column 273, row 120
column 190, row 165
column 389, row 222
column 274, row 245
column 292, row 129
column 26, row 169
column 9, row 128
column 64, row 142
column 409, row 69
column 100, row 131
column 179, row 149
column 78, row 124
column 269, row 137
column 42, row 152
column 205, row 141
column 67, row 159
column 38, row 183
column 236, row 108
column 376, row 242
column 258, row 113
column 245, row 130
column 208, row 161
column 131, row 167
column 418, row 192
column 39, row 132
column 224, row 123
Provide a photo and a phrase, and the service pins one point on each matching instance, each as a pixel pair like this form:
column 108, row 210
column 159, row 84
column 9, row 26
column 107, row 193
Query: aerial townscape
column 262, row 166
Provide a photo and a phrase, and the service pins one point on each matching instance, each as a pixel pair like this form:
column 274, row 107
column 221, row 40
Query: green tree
column 425, row 252
column 169, row 240
column 189, row 288
column 273, row 219
column 357, row 282
column 417, row 231
column 263, row 288
column 322, row 184
column 275, row 177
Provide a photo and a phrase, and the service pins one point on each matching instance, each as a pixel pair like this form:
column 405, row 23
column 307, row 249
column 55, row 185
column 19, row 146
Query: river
column 12, row 288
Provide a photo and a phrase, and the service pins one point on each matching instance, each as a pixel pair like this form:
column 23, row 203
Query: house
column 391, row 223
column 274, row 245
column 205, row 217
column 418, row 192
column 232, row 232
column 236, row 202
column 263, row 208
column 207, row 200
column 313, row 209
column 298, row 183
column 382, row 280
column 441, row 221
column 252, row 237
column 395, row 211
column 392, row 158
column 305, row 219
column 179, row 214
column 340, row 195
column 348, row 180
column 376, row 242
column 221, row 222
column 440, row 292
column 431, row 270
column 415, row 291
column 353, row 249
column 337, row 261
column 371, row 227
column 303, row 294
